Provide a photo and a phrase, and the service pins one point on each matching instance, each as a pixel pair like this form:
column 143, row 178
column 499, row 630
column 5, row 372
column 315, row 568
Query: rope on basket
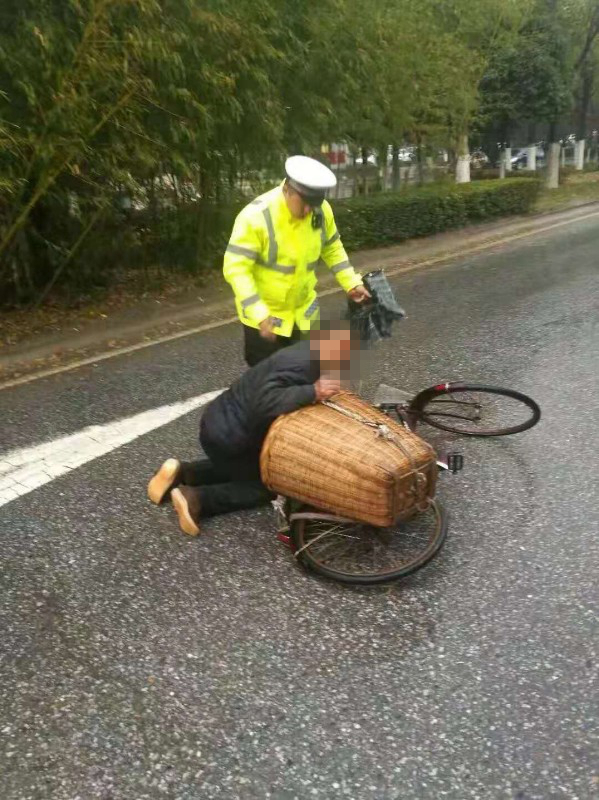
column 384, row 432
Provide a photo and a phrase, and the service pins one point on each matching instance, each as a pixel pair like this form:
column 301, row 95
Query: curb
column 390, row 271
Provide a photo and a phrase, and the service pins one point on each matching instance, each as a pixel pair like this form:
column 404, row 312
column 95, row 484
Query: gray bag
column 375, row 318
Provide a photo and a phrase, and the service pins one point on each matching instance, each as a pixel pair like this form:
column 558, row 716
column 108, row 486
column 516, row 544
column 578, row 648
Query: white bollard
column 507, row 154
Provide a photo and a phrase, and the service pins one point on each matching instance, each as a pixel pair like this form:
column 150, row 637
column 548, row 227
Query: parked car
column 406, row 155
column 519, row 160
column 370, row 159
column 479, row 159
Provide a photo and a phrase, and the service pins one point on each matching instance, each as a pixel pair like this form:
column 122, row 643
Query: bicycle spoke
column 488, row 412
column 454, row 402
column 363, row 549
column 436, row 414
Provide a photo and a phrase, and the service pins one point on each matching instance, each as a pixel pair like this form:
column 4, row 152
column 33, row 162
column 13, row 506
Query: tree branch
column 592, row 33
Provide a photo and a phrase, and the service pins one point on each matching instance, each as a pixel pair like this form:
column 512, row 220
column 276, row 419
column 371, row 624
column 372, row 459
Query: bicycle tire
column 418, row 408
column 302, row 552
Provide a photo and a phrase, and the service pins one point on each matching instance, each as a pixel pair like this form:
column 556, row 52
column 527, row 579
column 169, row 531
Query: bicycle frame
column 439, row 406
column 409, row 414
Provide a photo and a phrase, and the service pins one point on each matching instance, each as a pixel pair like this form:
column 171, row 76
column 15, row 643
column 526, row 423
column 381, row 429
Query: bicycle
column 354, row 553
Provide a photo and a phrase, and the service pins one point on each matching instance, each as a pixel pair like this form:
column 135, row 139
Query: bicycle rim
column 359, row 554
column 476, row 410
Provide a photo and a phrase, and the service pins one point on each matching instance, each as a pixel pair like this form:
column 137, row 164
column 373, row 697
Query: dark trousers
column 226, row 483
column 256, row 348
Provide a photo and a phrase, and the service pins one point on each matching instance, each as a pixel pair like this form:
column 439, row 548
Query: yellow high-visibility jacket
column 271, row 262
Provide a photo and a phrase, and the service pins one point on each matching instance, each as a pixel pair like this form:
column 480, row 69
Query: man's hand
column 326, row 387
column 359, row 294
column 267, row 329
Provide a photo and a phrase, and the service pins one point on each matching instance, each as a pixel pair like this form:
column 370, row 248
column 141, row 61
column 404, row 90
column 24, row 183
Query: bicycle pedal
column 455, row 462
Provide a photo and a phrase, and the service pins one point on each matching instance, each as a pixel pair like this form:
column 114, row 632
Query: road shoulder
column 85, row 340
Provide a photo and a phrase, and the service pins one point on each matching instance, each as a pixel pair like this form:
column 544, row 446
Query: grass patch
column 579, row 188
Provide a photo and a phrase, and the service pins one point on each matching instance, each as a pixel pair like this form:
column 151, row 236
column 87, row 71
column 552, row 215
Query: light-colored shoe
column 187, row 505
column 164, row 480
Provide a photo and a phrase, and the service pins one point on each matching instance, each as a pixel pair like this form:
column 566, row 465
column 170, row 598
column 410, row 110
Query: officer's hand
column 326, row 387
column 359, row 294
column 267, row 329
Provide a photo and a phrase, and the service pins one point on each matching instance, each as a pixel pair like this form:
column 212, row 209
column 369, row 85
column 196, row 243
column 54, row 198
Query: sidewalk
column 150, row 321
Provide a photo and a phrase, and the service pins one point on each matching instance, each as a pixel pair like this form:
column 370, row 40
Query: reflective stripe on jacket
column 271, row 260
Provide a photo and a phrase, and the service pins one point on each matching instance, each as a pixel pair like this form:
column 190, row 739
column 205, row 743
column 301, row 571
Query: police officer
column 270, row 261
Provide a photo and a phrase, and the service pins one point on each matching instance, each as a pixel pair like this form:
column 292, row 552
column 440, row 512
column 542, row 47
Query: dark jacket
column 238, row 420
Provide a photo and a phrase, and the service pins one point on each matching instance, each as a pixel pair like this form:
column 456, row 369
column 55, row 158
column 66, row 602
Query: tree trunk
column 579, row 154
column 152, row 197
column 395, row 170
column 586, row 93
column 505, row 160
column 531, row 157
column 419, row 162
column 364, row 171
column 384, row 166
column 430, row 169
column 553, row 158
column 532, row 131
column 462, row 170
column 506, row 148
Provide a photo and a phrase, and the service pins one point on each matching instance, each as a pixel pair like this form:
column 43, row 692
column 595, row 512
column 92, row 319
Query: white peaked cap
column 310, row 173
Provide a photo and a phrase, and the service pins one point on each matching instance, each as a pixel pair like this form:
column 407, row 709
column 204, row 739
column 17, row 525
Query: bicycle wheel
column 359, row 554
column 475, row 410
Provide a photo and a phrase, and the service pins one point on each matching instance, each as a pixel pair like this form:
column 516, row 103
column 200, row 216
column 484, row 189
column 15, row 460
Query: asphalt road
column 137, row 663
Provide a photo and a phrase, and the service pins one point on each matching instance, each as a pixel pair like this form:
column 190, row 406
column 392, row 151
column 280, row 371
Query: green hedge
column 386, row 219
column 193, row 238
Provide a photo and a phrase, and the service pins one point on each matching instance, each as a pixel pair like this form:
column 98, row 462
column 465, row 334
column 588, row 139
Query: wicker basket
column 331, row 459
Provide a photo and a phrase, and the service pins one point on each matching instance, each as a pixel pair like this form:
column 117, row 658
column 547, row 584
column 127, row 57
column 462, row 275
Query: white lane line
column 23, row 470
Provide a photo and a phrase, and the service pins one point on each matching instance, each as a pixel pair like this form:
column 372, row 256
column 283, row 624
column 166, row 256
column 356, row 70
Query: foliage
column 171, row 239
column 491, row 173
column 552, row 65
column 390, row 218
column 104, row 98
column 129, row 129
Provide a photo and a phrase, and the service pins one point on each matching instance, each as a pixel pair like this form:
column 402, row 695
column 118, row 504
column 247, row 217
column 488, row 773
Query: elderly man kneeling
column 234, row 425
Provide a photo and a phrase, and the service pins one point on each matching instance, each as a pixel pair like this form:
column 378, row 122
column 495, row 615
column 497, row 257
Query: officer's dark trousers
column 256, row 348
column 225, row 483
